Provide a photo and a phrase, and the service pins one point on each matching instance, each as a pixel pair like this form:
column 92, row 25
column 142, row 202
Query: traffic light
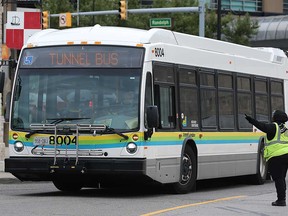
column 123, row 9
column 45, row 19
column 68, row 19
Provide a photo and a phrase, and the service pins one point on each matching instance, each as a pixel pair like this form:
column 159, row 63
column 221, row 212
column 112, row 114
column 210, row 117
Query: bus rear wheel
column 188, row 173
column 262, row 167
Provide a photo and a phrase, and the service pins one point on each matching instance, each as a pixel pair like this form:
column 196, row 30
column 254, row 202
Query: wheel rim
column 186, row 169
column 262, row 166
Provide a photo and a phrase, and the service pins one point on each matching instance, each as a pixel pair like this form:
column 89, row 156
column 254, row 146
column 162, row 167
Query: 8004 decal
column 158, row 52
column 52, row 140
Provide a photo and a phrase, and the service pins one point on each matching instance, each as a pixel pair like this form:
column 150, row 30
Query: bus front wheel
column 188, row 173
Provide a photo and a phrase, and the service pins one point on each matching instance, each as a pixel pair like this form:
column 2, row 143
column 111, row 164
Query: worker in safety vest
column 276, row 151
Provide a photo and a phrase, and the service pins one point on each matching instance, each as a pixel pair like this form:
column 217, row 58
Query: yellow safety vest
column 277, row 146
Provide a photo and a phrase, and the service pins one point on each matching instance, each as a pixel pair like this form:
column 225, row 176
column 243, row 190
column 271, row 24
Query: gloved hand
column 248, row 118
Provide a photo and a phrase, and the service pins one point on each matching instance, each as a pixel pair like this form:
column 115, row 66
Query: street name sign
column 160, row 22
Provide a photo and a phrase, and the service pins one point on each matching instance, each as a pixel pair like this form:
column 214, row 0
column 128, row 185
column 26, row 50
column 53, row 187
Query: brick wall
column 272, row 6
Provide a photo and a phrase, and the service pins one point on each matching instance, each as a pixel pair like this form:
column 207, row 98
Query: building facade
column 271, row 15
column 256, row 7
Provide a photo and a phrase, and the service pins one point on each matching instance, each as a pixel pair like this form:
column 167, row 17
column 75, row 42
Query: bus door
column 164, row 94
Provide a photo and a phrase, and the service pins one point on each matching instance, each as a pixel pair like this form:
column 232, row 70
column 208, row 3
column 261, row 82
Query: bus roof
column 131, row 36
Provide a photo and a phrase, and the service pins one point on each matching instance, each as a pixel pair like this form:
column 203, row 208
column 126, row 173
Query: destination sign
column 82, row 56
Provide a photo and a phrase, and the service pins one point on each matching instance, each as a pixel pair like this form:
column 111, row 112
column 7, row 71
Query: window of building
column 242, row 5
column 285, row 6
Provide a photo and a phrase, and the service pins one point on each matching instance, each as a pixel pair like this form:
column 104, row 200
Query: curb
column 1, row 166
column 9, row 180
column 6, row 178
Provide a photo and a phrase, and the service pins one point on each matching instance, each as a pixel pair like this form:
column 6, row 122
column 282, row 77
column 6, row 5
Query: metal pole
column 93, row 10
column 200, row 10
column 78, row 13
column 219, row 20
column 137, row 11
column 202, row 18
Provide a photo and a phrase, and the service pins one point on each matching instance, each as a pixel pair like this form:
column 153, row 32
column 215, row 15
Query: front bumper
column 43, row 169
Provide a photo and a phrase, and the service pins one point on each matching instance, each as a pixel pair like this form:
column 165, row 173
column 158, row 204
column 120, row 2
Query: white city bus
column 103, row 105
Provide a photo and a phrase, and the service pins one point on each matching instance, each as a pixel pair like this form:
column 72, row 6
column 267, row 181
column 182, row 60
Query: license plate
column 41, row 141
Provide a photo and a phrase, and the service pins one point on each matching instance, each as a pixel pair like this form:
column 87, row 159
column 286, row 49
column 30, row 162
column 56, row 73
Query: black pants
column 277, row 167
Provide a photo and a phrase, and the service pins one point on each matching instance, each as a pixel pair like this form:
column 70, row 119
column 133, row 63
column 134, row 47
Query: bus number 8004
column 60, row 140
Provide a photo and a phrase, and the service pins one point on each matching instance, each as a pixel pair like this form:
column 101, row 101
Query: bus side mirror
column 152, row 120
column 2, row 80
column 152, row 117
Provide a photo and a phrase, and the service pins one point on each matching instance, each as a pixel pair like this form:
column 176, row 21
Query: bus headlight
column 18, row 146
column 131, row 147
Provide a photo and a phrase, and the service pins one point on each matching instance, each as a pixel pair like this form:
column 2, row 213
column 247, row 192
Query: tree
column 212, row 23
column 98, row 5
column 238, row 30
column 54, row 7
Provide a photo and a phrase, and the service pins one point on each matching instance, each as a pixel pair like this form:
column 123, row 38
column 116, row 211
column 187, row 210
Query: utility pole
column 201, row 18
column 219, row 20
column 78, row 7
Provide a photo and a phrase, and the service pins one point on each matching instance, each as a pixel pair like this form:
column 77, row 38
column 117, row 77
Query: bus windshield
column 76, row 95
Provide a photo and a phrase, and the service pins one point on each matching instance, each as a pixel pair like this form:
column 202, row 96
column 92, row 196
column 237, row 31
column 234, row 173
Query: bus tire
column 188, row 173
column 66, row 185
column 262, row 167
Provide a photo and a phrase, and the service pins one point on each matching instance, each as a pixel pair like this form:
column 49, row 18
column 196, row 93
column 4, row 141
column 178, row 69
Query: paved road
column 221, row 197
column 228, row 197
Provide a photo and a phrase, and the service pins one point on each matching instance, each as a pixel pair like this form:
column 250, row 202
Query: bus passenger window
column 226, row 110
column 189, row 108
column 261, row 100
column 208, row 99
column 166, row 109
column 244, row 101
column 226, row 101
column 208, row 108
column 277, row 98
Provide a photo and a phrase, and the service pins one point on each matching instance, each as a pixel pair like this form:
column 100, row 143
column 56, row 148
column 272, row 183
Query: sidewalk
column 2, row 161
column 4, row 175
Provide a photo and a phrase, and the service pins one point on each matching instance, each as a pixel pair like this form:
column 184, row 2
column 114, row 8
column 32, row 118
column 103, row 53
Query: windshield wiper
column 59, row 120
column 109, row 129
column 30, row 134
column 56, row 121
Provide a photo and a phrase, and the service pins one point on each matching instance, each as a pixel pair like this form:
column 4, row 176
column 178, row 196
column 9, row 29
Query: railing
column 68, row 129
